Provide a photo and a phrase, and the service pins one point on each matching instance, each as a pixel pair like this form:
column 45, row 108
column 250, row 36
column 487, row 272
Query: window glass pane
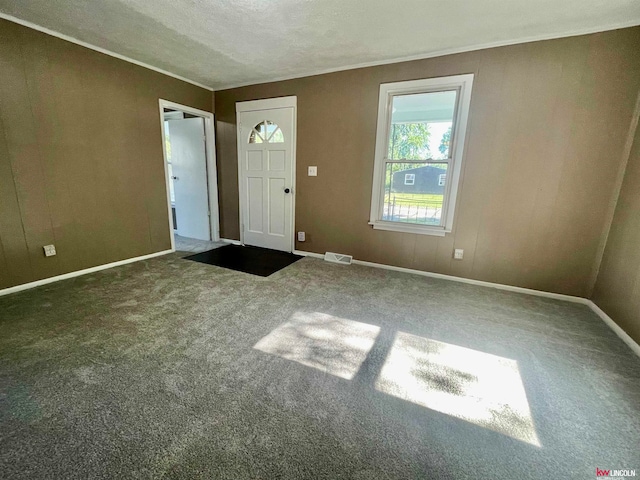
column 418, row 201
column 421, row 125
column 271, row 127
column 255, row 137
column 277, row 137
column 266, row 132
column 261, row 128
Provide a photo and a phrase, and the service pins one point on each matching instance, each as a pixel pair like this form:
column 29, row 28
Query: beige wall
column 81, row 161
column 617, row 290
column 547, row 129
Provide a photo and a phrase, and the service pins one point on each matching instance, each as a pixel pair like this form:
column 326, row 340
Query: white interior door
column 189, row 164
column 266, row 156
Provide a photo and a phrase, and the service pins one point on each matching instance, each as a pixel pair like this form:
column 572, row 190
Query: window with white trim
column 421, row 129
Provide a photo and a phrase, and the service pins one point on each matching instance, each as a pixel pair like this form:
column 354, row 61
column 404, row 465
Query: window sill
column 409, row 228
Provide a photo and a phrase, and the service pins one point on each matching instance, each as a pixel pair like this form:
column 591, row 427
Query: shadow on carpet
column 253, row 260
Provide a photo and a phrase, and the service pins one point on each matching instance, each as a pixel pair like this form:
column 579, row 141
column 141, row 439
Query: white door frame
column 269, row 104
column 212, row 173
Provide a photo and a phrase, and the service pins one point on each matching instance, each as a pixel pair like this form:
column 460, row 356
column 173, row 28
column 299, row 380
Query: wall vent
column 338, row 258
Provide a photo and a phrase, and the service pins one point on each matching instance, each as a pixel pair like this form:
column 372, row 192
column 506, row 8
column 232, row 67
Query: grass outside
column 414, row 199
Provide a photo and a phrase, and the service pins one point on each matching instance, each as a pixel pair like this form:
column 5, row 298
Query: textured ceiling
column 232, row 42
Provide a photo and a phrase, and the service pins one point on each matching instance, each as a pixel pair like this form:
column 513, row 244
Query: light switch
column 313, row 171
column 49, row 250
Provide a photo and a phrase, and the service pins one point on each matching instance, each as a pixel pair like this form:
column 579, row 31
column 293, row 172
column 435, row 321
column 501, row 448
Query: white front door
column 266, row 162
column 189, row 165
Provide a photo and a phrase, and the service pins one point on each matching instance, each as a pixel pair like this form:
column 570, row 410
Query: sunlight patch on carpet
column 474, row 386
column 334, row 345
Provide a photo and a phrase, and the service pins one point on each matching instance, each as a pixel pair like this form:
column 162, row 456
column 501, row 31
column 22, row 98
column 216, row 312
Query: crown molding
column 67, row 38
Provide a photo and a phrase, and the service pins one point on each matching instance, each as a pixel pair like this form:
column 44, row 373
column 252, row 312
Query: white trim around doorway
column 212, row 172
column 267, row 104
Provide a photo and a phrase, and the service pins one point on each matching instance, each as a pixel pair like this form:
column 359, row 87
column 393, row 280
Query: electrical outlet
column 458, row 253
column 49, row 250
column 313, row 171
column 301, row 237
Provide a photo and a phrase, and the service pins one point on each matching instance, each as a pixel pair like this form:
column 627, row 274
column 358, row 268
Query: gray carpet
column 174, row 369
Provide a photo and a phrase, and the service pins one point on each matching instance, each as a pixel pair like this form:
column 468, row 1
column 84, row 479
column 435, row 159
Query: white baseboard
column 569, row 298
column 308, row 254
column 616, row 328
column 500, row 286
column 233, row 242
column 529, row 291
column 44, row 281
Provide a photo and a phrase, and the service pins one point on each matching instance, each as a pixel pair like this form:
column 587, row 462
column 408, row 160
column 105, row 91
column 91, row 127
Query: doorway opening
column 190, row 174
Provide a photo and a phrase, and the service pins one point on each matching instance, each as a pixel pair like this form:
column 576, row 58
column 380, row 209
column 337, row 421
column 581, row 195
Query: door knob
column 287, row 190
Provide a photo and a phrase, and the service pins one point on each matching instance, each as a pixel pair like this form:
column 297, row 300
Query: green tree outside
column 444, row 143
column 408, row 141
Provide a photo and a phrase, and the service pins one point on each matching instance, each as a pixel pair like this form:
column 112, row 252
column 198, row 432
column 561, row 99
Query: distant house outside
column 421, row 180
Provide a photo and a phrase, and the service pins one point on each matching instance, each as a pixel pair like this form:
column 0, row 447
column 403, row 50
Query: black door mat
column 253, row 260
